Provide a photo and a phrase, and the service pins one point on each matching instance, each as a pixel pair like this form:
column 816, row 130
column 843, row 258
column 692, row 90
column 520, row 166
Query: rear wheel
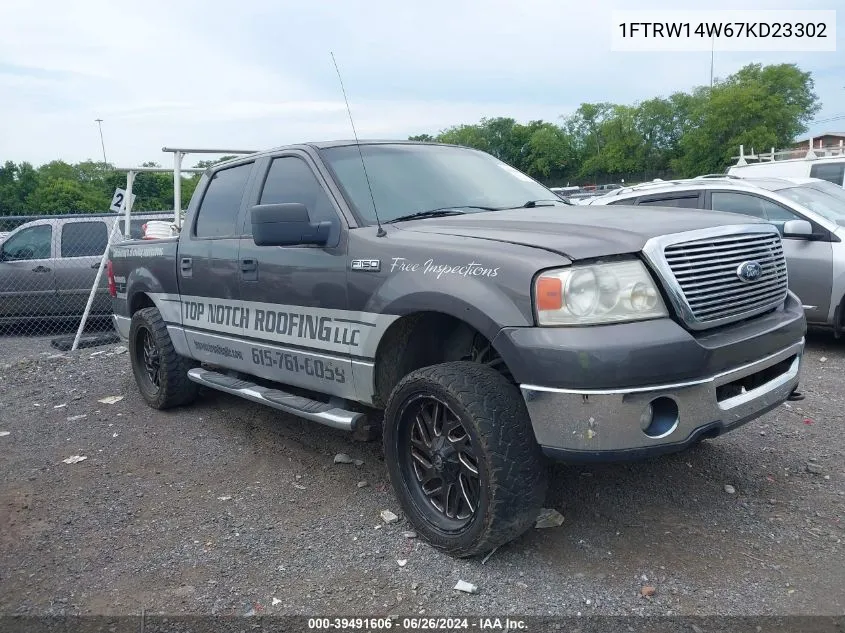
column 462, row 457
column 160, row 373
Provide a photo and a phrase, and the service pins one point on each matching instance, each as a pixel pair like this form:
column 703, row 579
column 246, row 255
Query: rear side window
column 221, row 202
column 84, row 239
column 832, row 172
column 684, row 202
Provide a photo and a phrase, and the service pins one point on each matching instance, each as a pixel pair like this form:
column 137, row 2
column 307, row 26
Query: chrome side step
column 324, row 413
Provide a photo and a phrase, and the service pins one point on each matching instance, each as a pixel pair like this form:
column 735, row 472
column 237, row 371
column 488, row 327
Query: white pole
column 177, row 187
column 130, row 180
column 114, row 231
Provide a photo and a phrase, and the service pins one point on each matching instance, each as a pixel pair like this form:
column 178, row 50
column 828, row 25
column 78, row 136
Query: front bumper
column 612, row 424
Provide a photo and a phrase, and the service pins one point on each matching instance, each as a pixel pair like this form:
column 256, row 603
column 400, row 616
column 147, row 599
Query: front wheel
column 462, row 457
column 160, row 373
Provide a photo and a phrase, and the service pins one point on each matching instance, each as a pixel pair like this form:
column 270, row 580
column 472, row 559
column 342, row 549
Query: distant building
column 828, row 140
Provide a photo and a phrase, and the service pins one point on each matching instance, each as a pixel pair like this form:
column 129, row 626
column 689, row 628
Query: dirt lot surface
column 231, row 508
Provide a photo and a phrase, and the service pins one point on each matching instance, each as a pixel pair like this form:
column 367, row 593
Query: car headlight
column 601, row 293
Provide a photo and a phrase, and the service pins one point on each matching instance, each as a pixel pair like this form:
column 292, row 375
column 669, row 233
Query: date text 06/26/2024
column 419, row 623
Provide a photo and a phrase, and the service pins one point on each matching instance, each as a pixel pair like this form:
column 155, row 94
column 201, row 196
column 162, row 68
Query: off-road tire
column 174, row 388
column 512, row 471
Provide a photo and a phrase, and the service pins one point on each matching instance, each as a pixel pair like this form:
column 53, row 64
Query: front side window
column 740, row 203
column 221, row 202
column 84, row 239
column 31, row 243
column 407, row 178
column 290, row 179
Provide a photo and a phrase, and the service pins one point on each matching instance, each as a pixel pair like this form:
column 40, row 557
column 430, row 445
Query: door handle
column 95, row 266
column 41, row 269
column 249, row 265
column 187, row 265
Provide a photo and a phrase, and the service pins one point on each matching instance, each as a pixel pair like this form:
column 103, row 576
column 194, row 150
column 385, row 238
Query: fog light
column 660, row 418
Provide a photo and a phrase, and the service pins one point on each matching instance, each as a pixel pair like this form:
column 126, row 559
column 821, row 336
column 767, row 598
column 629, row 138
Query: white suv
column 809, row 212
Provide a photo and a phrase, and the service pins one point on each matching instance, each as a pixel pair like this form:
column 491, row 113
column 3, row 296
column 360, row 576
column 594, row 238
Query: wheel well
column 424, row 339
column 140, row 301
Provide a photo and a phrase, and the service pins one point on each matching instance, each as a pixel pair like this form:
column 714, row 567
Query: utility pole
column 102, row 142
column 712, row 51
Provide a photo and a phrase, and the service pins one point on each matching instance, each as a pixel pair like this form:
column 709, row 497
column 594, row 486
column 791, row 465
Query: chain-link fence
column 48, row 265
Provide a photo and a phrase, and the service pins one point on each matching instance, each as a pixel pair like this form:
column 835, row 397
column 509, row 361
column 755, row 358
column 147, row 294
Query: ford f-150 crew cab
column 481, row 323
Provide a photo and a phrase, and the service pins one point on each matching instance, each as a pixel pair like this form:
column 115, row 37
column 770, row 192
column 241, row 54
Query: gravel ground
column 230, row 508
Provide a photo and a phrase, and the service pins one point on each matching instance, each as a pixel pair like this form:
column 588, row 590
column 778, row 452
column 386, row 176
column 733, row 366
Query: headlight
column 603, row 293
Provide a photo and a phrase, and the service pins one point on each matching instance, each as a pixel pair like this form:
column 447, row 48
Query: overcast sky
column 257, row 73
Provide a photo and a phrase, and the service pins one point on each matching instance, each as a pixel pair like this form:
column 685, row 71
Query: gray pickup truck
column 482, row 325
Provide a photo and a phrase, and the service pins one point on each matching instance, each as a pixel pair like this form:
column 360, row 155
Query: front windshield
column 829, row 188
column 829, row 204
column 409, row 178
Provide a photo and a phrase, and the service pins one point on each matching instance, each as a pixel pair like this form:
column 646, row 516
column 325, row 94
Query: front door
column 300, row 330
column 27, row 287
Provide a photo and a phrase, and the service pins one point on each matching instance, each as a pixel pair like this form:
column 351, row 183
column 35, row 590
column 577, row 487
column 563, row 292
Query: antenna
column 381, row 231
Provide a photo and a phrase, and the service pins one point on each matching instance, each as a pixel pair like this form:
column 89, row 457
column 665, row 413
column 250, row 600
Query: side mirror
column 286, row 224
column 797, row 228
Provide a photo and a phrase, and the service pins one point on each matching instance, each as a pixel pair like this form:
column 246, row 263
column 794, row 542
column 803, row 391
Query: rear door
column 81, row 247
column 300, row 329
column 27, row 287
column 207, row 266
column 809, row 262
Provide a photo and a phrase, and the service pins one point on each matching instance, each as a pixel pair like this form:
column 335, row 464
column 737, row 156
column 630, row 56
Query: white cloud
column 258, row 74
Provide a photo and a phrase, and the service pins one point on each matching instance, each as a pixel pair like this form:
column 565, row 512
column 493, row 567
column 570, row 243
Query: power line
column 837, row 117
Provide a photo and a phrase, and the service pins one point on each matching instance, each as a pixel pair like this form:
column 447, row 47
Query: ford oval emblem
column 749, row 271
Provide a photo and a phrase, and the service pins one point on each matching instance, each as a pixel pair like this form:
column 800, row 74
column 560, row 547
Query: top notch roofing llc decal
column 430, row 267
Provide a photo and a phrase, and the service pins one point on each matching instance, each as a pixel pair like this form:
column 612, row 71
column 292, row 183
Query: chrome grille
column 706, row 272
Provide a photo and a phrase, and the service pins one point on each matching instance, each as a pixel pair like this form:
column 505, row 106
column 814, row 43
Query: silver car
column 48, row 266
column 809, row 212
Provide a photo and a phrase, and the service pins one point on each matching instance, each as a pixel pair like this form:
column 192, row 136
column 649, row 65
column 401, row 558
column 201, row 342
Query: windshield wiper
column 533, row 203
column 434, row 213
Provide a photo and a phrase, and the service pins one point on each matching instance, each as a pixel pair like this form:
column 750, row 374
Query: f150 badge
column 371, row 265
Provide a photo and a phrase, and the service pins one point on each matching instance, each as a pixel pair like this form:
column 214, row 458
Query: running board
column 313, row 410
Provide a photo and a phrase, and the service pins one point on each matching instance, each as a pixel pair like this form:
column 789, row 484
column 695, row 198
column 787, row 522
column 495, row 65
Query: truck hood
column 581, row 232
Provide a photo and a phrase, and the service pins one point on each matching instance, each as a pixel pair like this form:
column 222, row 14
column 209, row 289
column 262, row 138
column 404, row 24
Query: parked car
column 808, row 212
column 48, row 266
column 480, row 322
column 564, row 192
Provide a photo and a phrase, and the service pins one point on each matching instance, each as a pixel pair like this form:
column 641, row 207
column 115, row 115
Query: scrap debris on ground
column 189, row 511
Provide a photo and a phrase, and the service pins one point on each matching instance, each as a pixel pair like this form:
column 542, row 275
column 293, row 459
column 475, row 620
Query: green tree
column 63, row 195
column 757, row 107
